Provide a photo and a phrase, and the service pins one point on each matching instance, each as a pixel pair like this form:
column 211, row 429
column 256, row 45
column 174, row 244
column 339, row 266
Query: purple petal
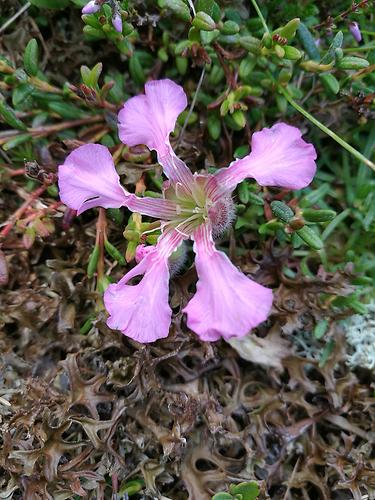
column 279, row 157
column 142, row 251
column 91, row 7
column 88, row 179
column 355, row 31
column 117, row 23
column 154, row 207
column 149, row 119
column 227, row 303
column 141, row 311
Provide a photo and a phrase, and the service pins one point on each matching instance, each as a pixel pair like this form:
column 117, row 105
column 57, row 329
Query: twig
column 20, row 211
column 260, row 15
column 325, row 129
column 51, row 129
column 192, row 105
column 101, row 229
column 13, row 18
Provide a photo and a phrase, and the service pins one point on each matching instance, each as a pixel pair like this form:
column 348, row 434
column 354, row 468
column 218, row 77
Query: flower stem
column 260, row 15
column 325, row 129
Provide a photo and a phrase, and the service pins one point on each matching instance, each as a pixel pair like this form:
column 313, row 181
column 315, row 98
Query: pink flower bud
column 355, row 31
column 117, row 22
column 91, row 7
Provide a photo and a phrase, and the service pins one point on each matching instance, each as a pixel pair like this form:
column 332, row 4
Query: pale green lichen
column 360, row 336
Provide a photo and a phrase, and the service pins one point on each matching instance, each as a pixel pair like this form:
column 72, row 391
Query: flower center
column 195, row 207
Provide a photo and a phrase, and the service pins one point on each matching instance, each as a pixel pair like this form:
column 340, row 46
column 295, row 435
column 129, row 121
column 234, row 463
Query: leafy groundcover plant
column 171, row 327
column 227, row 303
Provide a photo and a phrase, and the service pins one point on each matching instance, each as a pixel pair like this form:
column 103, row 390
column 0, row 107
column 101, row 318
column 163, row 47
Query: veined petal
column 279, row 157
column 154, row 207
column 227, row 303
column 88, row 179
column 150, row 118
column 141, row 311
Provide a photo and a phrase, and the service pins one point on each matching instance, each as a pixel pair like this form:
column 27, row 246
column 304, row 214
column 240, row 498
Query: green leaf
column 330, row 82
column 31, row 58
column 136, row 70
column 94, row 33
column 331, row 52
column 312, row 215
column 93, row 261
column 289, row 30
column 203, row 21
column 50, row 4
column 210, row 7
column 308, row 42
column 16, row 141
column 114, row 253
column 9, row 116
column 66, row 110
column 222, row 496
column 292, row 53
column 178, row 7
column 116, row 215
column 243, row 192
column 131, row 487
column 351, row 62
column 214, row 126
column 282, row 211
column 320, row 329
column 21, row 93
column 310, row 237
column 248, row 491
column 230, row 28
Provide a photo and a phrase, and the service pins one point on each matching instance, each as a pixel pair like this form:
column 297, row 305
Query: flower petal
column 154, row 207
column 150, row 118
column 279, row 157
column 88, row 179
column 141, row 311
column 227, row 303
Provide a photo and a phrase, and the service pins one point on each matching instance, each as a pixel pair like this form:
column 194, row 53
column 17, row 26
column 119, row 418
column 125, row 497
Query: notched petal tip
column 142, row 311
column 279, row 157
column 150, row 118
column 227, row 303
column 88, row 179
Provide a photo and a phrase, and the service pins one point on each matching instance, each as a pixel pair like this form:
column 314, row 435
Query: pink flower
column 198, row 207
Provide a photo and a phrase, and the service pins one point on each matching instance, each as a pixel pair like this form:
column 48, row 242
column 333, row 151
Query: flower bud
column 91, row 7
column 355, row 31
column 117, row 22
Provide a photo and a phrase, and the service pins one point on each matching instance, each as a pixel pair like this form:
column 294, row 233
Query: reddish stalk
column 101, row 229
column 20, row 211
